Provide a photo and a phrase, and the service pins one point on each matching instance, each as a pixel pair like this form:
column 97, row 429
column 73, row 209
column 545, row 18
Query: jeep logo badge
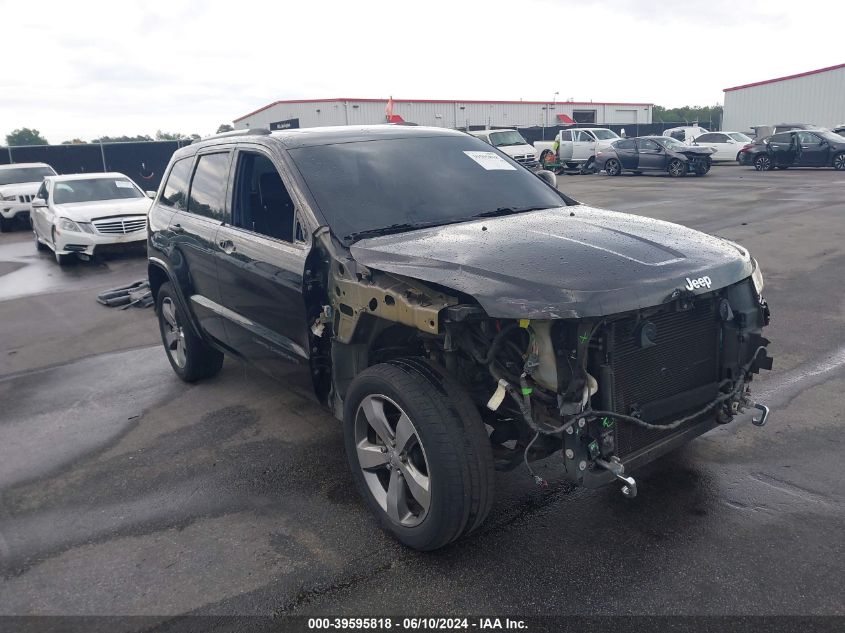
column 701, row 282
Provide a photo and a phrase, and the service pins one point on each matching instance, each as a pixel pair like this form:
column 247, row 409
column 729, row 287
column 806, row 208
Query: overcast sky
column 85, row 69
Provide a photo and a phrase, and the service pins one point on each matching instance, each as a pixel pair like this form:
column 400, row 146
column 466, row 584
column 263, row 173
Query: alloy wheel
column 763, row 163
column 612, row 167
column 676, row 168
column 839, row 162
column 392, row 459
column 174, row 335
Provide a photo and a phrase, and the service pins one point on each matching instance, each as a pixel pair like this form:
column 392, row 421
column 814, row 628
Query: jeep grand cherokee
column 455, row 311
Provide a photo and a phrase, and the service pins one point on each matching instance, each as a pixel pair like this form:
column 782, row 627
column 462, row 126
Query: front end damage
column 614, row 392
column 609, row 392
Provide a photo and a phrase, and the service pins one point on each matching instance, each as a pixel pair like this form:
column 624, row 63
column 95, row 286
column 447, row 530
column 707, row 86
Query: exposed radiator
column 666, row 381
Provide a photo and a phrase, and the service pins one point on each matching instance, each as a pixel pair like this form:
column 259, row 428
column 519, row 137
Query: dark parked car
column 799, row 148
column 456, row 312
column 654, row 153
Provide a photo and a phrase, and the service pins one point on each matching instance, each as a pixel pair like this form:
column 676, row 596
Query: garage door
column 625, row 116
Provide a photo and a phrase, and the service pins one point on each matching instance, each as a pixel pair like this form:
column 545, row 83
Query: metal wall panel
column 818, row 99
column 451, row 114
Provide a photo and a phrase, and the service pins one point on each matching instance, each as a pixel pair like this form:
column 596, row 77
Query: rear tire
column 677, row 168
column 763, row 163
column 190, row 357
column 613, row 167
column 427, row 474
column 839, row 161
column 5, row 225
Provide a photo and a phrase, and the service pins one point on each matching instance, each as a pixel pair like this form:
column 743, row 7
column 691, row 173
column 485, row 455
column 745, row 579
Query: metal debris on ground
column 135, row 294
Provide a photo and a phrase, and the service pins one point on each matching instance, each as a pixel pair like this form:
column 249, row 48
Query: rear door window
column 208, row 187
column 176, row 188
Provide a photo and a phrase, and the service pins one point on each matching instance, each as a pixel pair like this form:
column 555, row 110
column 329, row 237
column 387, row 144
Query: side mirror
column 39, row 202
column 548, row 177
column 151, row 194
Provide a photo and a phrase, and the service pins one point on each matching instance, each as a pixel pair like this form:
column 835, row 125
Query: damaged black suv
column 455, row 311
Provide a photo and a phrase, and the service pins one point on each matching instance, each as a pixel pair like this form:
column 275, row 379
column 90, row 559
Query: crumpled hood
column 87, row 211
column 20, row 189
column 568, row 262
column 695, row 150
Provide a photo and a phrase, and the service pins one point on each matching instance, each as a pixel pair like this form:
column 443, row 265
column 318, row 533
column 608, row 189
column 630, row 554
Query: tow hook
column 764, row 415
column 616, row 467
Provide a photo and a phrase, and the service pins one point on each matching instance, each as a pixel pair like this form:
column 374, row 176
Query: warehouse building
column 816, row 97
column 450, row 114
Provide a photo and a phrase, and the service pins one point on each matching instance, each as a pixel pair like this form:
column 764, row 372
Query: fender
column 155, row 262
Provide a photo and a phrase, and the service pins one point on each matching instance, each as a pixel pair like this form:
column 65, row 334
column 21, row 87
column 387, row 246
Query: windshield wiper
column 387, row 230
column 507, row 211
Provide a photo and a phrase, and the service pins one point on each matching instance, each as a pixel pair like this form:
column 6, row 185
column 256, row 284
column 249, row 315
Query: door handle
column 177, row 228
column 227, row 246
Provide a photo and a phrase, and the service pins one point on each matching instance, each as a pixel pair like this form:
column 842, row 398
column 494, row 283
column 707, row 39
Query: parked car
column 685, row 133
column 764, row 131
column 839, row 129
column 726, row 144
column 511, row 143
column 799, row 148
column 654, row 153
column 80, row 214
column 576, row 147
column 18, row 184
column 456, row 312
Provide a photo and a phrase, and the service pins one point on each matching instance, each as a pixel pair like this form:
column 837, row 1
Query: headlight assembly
column 10, row 198
column 69, row 225
column 757, row 277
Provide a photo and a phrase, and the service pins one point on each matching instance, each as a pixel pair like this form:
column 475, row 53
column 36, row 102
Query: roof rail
column 255, row 131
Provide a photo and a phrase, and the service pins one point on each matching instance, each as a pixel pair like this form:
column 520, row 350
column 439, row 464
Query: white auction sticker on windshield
column 490, row 161
column 123, row 184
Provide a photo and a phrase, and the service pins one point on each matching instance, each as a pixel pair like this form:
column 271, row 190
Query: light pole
column 554, row 98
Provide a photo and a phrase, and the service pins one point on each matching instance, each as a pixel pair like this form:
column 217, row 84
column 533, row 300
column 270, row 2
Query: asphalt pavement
column 125, row 491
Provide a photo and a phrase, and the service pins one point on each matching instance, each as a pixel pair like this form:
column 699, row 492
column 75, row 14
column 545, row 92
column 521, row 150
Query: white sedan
column 726, row 144
column 74, row 215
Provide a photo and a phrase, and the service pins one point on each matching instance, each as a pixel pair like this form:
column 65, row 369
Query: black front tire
column 38, row 244
column 613, row 167
column 454, row 442
column 677, row 168
column 190, row 357
column 5, row 225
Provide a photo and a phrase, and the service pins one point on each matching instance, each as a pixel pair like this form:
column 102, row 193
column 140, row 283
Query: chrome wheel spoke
column 419, row 485
column 374, row 412
column 171, row 337
column 168, row 311
column 180, row 352
column 404, row 433
column 371, row 456
column 397, row 503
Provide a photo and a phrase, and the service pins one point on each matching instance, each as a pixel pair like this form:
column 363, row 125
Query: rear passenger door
column 262, row 266
column 626, row 150
column 783, row 148
column 198, row 215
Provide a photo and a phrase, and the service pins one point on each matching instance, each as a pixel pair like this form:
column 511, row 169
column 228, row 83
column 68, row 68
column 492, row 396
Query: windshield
column 739, row 136
column 24, row 174
column 604, row 135
column 670, row 143
column 94, row 189
column 504, row 139
column 368, row 185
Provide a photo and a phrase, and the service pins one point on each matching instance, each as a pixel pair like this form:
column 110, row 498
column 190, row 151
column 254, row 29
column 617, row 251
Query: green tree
column 76, row 141
column 224, row 127
column 705, row 115
column 122, row 139
column 25, row 136
column 170, row 136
